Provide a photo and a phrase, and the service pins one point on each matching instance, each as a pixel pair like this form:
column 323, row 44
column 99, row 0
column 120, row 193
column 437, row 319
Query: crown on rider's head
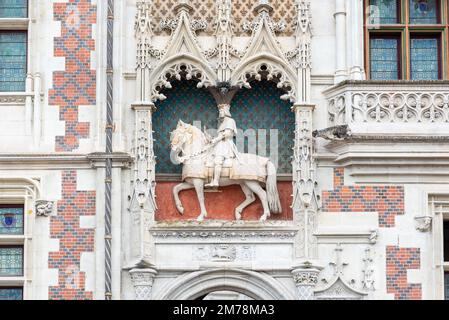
column 224, row 106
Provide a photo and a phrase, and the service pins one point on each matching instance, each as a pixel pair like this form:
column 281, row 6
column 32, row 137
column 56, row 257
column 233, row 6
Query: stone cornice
column 61, row 160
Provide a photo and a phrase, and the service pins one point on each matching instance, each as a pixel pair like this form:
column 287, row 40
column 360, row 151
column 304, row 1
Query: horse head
column 184, row 135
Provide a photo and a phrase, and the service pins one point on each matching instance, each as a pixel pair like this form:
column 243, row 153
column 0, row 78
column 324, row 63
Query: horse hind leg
column 176, row 190
column 262, row 194
column 249, row 199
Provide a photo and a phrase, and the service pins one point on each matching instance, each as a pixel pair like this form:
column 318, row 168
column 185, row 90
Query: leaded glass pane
column 267, row 123
column 423, row 11
column 13, row 8
column 11, row 261
column 424, row 59
column 383, row 12
column 384, row 58
column 446, row 286
column 184, row 102
column 11, row 220
column 13, row 61
column 11, row 293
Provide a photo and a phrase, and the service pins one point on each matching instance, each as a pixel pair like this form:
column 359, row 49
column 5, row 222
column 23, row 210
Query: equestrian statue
column 215, row 162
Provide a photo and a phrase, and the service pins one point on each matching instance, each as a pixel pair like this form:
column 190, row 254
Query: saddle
column 246, row 167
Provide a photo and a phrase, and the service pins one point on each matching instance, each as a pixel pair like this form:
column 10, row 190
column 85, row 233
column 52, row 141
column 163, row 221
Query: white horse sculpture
column 250, row 172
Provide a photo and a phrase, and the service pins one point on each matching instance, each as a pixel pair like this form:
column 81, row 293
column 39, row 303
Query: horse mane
column 198, row 131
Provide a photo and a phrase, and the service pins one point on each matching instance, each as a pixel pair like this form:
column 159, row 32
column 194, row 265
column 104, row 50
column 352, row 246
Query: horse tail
column 272, row 190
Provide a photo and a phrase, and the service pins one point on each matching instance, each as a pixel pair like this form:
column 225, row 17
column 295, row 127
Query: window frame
column 429, row 35
column 407, row 31
column 10, row 246
column 14, row 287
column 389, row 35
column 12, row 24
column 441, row 267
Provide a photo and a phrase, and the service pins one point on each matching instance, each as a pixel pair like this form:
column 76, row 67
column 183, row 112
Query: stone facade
column 363, row 184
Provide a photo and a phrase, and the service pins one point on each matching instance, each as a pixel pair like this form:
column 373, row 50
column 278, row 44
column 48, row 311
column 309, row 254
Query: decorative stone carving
column 337, row 288
column 264, row 57
column 142, row 205
column 423, row 223
column 336, row 133
column 142, row 280
column 224, row 235
column 372, row 104
column 305, row 276
column 368, row 271
column 224, row 253
column 44, row 208
column 306, row 200
column 301, row 56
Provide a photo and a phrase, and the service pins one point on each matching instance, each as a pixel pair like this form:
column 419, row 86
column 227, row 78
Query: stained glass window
column 11, row 220
column 184, row 102
column 384, row 12
column 11, row 261
column 424, row 11
column 267, row 123
column 13, row 8
column 13, row 60
column 424, row 59
column 11, row 293
column 384, row 58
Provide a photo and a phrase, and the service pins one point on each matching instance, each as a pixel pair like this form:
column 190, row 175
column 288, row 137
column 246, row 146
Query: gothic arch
column 177, row 66
column 258, row 286
column 275, row 69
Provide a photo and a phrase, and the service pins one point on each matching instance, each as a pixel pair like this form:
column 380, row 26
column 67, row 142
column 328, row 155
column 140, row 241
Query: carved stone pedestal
column 143, row 282
column 305, row 276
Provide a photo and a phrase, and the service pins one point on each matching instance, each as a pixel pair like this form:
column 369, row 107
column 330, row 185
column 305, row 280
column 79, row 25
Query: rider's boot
column 216, row 179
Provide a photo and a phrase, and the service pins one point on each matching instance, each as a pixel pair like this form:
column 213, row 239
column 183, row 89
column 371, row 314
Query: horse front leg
column 199, row 187
column 176, row 190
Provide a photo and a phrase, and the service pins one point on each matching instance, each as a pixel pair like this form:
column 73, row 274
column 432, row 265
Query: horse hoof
column 238, row 216
column 263, row 219
column 200, row 219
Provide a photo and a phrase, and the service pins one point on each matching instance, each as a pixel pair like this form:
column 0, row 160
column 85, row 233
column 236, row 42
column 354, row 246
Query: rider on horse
column 223, row 145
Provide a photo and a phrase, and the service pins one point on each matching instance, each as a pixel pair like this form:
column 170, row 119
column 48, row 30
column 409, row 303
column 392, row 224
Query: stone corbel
column 44, row 208
column 143, row 280
column 423, row 223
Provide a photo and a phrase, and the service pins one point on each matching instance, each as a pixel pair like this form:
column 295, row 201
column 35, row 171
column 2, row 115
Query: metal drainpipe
column 109, row 131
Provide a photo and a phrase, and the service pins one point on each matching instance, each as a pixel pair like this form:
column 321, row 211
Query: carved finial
column 263, row 6
column 183, row 6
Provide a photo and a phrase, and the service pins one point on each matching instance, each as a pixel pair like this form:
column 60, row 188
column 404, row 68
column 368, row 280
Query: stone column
column 340, row 41
column 306, row 278
column 142, row 280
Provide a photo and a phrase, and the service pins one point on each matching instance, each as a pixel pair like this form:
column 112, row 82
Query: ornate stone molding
column 216, row 234
column 142, row 204
column 142, row 280
column 368, row 271
column 306, row 199
column 305, row 277
column 44, row 208
column 387, row 103
column 423, row 223
column 338, row 288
